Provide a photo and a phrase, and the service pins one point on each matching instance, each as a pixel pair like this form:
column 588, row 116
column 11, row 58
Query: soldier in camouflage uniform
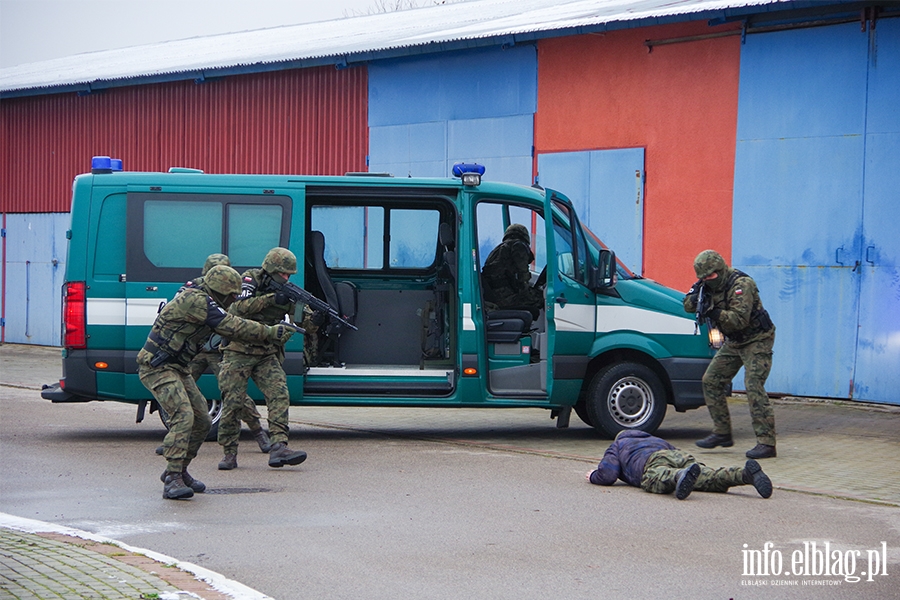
column 656, row 466
column 179, row 331
column 260, row 360
column 210, row 356
column 506, row 278
column 735, row 308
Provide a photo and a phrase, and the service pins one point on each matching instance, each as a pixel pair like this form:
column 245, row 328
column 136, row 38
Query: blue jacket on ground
column 626, row 457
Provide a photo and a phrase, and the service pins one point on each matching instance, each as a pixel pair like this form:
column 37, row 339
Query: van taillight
column 74, row 315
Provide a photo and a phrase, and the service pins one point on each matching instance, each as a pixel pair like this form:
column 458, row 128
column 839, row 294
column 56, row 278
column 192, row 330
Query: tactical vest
column 760, row 322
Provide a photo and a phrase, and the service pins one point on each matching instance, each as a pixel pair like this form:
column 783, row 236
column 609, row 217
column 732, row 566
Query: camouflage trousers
column 312, row 342
column 756, row 358
column 662, row 468
column 247, row 411
column 177, row 393
column 235, row 372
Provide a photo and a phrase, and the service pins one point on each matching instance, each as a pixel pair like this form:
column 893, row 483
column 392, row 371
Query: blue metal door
column 606, row 188
column 811, row 205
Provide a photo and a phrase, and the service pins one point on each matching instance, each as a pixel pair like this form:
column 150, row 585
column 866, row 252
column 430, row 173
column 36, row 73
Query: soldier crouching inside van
column 181, row 328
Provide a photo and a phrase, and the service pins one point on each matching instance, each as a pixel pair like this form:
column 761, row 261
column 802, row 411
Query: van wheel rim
column 630, row 402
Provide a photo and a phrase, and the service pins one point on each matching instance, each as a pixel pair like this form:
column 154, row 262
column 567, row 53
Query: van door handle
column 151, row 288
column 561, row 300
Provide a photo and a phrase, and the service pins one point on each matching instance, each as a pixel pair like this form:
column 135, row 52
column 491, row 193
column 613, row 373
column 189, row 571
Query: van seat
column 507, row 326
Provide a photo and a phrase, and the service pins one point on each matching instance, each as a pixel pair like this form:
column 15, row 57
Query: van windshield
column 594, row 244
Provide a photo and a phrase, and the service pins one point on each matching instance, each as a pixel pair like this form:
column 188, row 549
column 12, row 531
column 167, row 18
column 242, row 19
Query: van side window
column 178, row 234
column 253, row 230
column 377, row 237
column 108, row 265
column 170, row 234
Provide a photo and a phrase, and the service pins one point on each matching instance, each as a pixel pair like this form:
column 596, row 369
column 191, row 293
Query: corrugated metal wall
column 678, row 102
column 309, row 121
column 815, row 204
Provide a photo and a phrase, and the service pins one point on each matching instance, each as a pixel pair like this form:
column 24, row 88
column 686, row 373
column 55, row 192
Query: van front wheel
column 215, row 413
column 626, row 395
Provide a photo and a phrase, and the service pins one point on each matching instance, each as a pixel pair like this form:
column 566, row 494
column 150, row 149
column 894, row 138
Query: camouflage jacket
column 736, row 309
column 185, row 324
column 257, row 304
column 505, row 271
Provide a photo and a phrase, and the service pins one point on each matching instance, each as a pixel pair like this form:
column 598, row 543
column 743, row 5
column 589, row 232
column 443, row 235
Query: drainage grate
column 237, row 490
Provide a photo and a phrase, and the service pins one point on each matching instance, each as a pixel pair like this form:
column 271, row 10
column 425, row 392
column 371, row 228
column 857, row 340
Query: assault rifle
column 704, row 304
column 298, row 294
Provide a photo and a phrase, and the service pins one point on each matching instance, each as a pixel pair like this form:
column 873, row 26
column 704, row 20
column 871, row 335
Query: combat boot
column 753, row 475
column 280, row 455
column 195, row 484
column 174, row 488
column 228, row 463
column 687, row 478
column 716, row 439
column 761, row 451
column 160, row 450
column 262, row 438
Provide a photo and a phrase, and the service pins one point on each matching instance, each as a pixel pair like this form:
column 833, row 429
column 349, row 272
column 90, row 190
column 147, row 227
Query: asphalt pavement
column 839, row 449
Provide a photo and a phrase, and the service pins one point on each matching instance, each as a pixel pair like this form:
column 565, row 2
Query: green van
column 401, row 258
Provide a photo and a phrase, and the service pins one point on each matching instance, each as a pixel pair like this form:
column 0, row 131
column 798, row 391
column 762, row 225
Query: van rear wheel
column 626, row 395
column 215, row 414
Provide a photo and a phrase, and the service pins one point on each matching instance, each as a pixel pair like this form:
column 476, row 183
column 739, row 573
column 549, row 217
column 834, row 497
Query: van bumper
column 55, row 393
column 686, row 377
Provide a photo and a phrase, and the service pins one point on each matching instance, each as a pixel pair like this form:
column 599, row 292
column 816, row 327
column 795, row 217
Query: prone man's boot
column 175, row 488
column 280, row 455
column 262, row 438
column 753, row 475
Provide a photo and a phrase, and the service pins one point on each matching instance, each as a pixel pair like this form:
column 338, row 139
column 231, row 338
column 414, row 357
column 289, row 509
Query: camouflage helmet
column 215, row 259
column 709, row 262
column 280, row 260
column 517, row 231
column 223, row 280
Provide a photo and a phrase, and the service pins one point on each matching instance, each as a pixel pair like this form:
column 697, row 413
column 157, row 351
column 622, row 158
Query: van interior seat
column 507, row 326
column 341, row 296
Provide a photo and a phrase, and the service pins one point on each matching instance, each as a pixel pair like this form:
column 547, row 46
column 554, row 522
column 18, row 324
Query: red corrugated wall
column 300, row 121
column 678, row 102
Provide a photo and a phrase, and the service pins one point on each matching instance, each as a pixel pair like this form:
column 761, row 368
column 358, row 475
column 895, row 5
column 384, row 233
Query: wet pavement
column 839, row 449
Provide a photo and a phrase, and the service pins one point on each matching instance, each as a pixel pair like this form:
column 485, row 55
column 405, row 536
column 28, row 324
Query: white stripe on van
column 106, row 311
column 610, row 318
column 468, row 323
column 118, row 311
column 575, row 317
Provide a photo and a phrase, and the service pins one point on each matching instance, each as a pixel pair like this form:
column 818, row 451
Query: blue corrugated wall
column 35, row 270
column 816, row 205
column 427, row 113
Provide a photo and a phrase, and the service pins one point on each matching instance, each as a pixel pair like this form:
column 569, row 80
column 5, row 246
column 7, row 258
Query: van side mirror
column 603, row 276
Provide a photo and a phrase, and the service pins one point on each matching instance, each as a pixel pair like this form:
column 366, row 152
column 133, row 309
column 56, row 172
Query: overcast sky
column 34, row 30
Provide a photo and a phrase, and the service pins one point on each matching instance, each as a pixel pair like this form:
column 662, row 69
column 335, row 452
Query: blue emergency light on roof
column 105, row 164
column 470, row 173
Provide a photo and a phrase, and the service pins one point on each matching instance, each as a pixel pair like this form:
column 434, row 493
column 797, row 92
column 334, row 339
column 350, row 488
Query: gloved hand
column 280, row 334
column 281, row 299
column 695, row 289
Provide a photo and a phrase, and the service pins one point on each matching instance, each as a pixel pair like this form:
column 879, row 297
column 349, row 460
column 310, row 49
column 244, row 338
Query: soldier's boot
column 262, row 438
column 753, row 475
column 228, row 463
column 195, row 484
column 716, row 439
column 160, row 449
column 761, row 451
column 174, row 487
column 687, row 479
column 280, row 455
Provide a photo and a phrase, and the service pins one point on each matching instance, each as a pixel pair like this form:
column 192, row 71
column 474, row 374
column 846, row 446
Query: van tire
column 215, row 413
column 582, row 412
column 626, row 395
